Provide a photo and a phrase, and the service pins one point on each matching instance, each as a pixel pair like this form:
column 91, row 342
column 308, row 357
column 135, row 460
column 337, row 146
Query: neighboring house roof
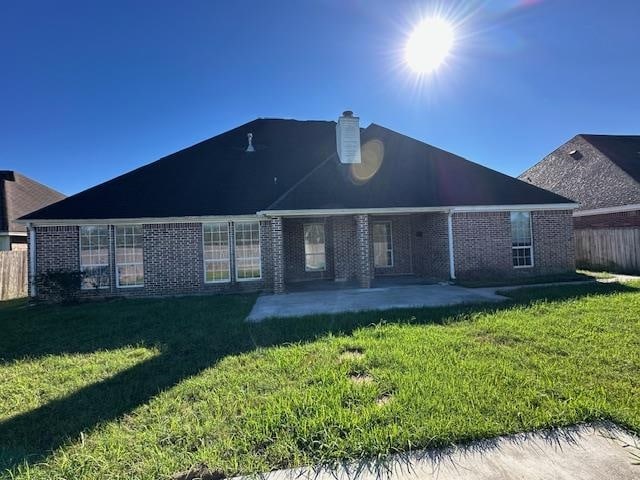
column 598, row 171
column 20, row 195
column 623, row 150
column 294, row 166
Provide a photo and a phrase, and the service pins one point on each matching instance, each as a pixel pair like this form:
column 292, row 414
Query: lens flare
column 429, row 45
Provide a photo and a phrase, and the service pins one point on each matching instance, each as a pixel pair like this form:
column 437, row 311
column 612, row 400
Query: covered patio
column 362, row 250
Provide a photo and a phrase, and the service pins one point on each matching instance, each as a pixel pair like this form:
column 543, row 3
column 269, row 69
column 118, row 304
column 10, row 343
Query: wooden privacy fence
column 14, row 272
column 612, row 249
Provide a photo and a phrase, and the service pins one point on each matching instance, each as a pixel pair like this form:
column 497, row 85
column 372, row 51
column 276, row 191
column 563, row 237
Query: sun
column 429, row 45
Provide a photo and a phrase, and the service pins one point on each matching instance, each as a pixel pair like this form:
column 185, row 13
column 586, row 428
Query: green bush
column 60, row 285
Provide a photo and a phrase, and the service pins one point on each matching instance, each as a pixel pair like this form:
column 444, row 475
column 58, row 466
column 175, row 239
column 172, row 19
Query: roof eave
column 400, row 210
column 135, row 221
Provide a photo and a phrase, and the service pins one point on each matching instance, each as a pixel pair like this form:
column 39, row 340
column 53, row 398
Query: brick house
column 602, row 173
column 276, row 202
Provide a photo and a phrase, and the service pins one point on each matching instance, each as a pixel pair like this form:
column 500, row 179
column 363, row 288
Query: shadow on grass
column 192, row 333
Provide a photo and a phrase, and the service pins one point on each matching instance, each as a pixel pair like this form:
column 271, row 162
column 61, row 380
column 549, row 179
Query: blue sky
column 90, row 90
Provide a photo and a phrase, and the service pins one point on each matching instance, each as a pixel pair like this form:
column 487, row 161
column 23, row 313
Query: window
column 94, row 256
column 129, row 257
column 382, row 245
column 216, row 252
column 247, row 250
column 315, row 259
column 521, row 240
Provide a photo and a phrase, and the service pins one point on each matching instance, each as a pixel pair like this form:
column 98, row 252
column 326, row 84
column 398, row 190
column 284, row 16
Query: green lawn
column 596, row 275
column 141, row 389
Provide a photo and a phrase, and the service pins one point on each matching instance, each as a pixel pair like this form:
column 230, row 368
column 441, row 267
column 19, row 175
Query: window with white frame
column 247, row 251
column 129, row 256
column 315, row 259
column 94, row 256
column 217, row 267
column 382, row 245
column 521, row 240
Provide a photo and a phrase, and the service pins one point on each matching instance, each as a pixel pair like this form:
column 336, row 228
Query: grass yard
column 141, row 389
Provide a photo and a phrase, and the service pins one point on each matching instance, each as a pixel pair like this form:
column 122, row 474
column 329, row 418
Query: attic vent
column 575, row 154
column 348, row 138
column 250, row 140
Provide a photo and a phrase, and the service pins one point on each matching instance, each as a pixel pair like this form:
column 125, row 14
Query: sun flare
column 429, row 45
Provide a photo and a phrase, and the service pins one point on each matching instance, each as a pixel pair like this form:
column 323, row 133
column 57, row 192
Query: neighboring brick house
column 276, row 202
column 20, row 195
column 602, row 173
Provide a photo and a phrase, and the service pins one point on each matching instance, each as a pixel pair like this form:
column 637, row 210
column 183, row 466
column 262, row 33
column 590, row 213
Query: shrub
column 60, row 285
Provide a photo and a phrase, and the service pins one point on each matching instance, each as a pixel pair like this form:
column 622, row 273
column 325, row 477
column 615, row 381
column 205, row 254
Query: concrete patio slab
column 588, row 452
column 300, row 304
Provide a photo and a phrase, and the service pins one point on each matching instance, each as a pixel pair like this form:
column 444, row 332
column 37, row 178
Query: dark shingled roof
column 404, row 172
column 20, row 195
column 623, row 150
column 295, row 166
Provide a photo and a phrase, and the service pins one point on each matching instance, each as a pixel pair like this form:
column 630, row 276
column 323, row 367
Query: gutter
column 605, row 210
column 137, row 220
column 400, row 210
column 321, row 212
column 452, row 265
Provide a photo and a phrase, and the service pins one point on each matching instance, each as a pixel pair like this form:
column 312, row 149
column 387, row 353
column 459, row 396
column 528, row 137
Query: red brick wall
column 482, row 245
column 344, row 248
column 57, row 248
column 173, row 260
column 430, row 245
column 619, row 219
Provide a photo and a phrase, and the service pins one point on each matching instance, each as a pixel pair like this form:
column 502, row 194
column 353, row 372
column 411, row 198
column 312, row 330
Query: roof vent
column 575, row 154
column 250, row 140
column 348, row 138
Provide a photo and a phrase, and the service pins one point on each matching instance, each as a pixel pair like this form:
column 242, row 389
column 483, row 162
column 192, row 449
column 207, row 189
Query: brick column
column 363, row 270
column 277, row 254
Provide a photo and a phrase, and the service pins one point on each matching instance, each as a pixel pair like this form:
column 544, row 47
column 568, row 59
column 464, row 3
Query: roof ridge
column 610, row 135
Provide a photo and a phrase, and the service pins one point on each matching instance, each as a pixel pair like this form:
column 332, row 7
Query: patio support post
column 277, row 254
column 363, row 271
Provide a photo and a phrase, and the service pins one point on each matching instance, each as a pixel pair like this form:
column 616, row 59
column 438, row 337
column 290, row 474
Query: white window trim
column 115, row 257
column 386, row 222
column 530, row 247
column 108, row 264
column 235, row 253
column 204, row 261
column 304, row 226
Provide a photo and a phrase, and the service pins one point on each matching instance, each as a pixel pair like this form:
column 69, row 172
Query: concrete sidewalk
column 589, row 452
column 358, row 299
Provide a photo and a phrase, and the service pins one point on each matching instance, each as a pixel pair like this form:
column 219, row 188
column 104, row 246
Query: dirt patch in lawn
column 384, row 399
column 360, row 378
column 351, row 354
column 198, row 472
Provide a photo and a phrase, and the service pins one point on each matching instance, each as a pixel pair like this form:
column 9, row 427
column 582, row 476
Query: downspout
column 32, row 260
column 452, row 266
